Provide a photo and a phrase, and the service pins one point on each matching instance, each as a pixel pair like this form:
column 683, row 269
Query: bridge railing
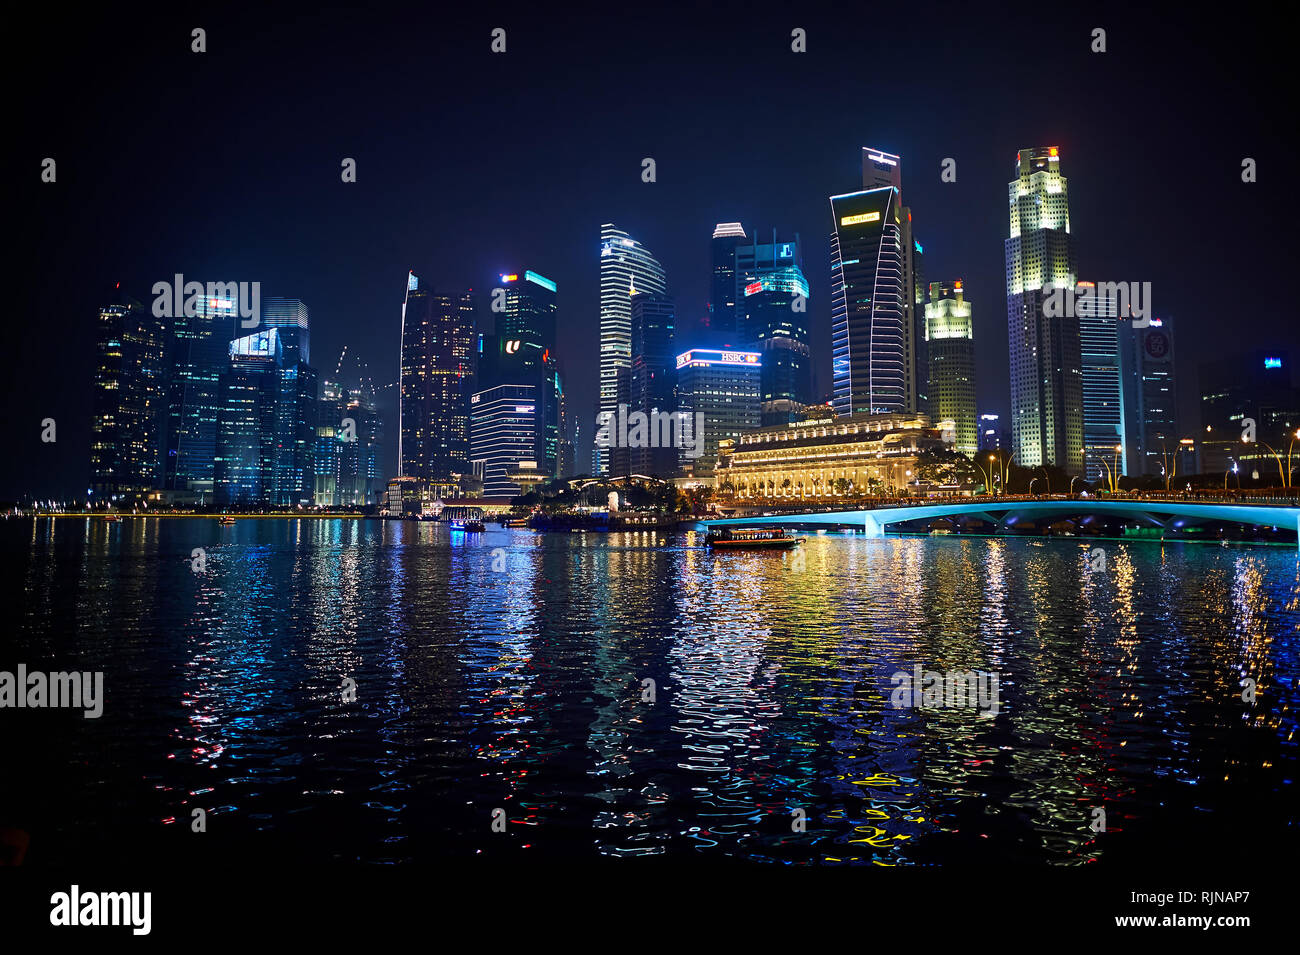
column 1244, row 499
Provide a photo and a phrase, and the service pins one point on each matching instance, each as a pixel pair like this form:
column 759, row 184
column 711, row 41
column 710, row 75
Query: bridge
column 1005, row 513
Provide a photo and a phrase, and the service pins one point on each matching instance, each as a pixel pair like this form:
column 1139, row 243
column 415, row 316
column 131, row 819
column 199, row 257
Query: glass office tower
column 437, row 372
column 1103, row 420
column 868, row 350
column 723, row 320
column 626, row 266
column 129, row 402
column 200, row 355
column 722, row 386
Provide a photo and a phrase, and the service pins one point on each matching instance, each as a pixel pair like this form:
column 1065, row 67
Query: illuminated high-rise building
column 244, row 454
column 503, row 433
column 331, row 410
column 626, row 266
column 200, row 355
column 867, row 333
column 772, row 299
column 360, row 452
column 437, row 372
column 1103, row 418
column 882, row 169
column 129, row 402
column 1046, row 366
column 723, row 320
column 991, row 435
column 652, row 378
column 723, row 386
column 266, row 427
column 950, row 341
column 1148, row 397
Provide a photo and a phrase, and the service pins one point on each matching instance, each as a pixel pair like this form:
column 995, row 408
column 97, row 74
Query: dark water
column 521, row 689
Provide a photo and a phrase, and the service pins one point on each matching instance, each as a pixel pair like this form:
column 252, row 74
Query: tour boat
column 469, row 527
column 514, row 522
column 113, row 518
column 226, row 519
column 752, row 538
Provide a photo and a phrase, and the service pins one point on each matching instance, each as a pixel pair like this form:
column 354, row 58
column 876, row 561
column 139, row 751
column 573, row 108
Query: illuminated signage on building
column 861, row 217
column 509, row 278
column 698, row 357
column 753, row 288
column 541, row 280
column 512, row 346
column 785, row 250
column 1272, row 362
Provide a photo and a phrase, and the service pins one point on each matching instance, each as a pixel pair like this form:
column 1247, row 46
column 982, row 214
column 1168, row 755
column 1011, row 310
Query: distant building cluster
column 198, row 410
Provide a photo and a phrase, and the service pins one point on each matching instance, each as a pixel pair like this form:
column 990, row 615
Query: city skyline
column 644, row 441
column 675, row 215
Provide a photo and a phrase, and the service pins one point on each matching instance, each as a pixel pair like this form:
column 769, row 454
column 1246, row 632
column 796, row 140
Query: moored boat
column 226, row 519
column 751, row 538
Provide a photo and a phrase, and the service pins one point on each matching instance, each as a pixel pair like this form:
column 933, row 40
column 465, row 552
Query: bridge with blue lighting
column 1005, row 513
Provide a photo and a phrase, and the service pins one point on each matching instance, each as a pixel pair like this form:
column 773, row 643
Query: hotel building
column 833, row 457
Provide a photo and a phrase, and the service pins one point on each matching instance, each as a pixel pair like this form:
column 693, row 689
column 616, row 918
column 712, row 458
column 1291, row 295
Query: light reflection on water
column 523, row 690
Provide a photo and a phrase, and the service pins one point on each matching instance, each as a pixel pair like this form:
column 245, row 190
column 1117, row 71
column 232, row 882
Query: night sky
column 225, row 166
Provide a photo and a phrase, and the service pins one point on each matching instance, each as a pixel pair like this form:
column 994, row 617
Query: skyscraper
column 436, row 381
column 266, row 427
column 1148, row 397
column 527, row 326
column 503, row 432
column 723, row 387
column 292, row 480
column 723, row 320
column 291, row 318
column 991, row 437
column 1046, row 368
column 200, row 355
column 868, row 352
column 361, row 472
column 625, row 266
column 950, row 340
column 652, row 377
column 1103, row 418
column 882, row 169
column 517, row 367
column 244, row 453
column 331, row 410
column 129, row 401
